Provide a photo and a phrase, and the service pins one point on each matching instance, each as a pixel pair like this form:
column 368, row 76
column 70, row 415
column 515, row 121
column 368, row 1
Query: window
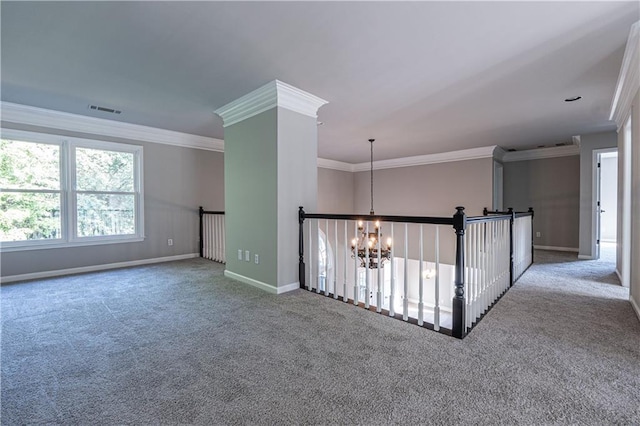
column 66, row 191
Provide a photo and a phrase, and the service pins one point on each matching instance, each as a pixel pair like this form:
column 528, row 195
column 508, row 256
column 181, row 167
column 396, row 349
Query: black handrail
column 202, row 212
column 373, row 218
column 458, row 221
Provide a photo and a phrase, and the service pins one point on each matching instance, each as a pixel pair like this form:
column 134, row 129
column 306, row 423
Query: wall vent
column 104, row 109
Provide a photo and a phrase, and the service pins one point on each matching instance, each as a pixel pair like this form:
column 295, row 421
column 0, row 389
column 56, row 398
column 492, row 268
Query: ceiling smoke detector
column 104, row 109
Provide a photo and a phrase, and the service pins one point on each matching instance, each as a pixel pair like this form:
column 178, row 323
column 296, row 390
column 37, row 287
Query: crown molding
column 325, row 163
column 499, row 153
column 50, row 119
column 420, row 160
column 271, row 95
column 629, row 78
column 537, row 154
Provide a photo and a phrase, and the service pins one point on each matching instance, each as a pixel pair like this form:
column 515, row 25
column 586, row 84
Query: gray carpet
column 177, row 343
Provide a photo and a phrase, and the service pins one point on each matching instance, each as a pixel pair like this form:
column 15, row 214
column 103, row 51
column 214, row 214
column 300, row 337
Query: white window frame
column 68, row 193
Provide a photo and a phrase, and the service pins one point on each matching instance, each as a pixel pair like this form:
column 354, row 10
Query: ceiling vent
column 104, row 109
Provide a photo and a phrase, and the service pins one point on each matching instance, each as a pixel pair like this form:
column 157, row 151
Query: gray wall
column 552, row 187
column 251, row 195
column 335, row 191
column 588, row 144
column 176, row 181
column 428, row 190
column 297, row 185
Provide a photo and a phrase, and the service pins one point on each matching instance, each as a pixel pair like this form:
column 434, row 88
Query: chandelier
column 370, row 243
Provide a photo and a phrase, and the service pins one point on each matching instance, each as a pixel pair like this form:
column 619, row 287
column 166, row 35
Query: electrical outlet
column 170, row 242
column 537, row 235
column 256, row 259
column 247, row 256
column 239, row 254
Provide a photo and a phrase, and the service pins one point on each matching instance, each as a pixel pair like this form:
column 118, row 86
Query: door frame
column 595, row 200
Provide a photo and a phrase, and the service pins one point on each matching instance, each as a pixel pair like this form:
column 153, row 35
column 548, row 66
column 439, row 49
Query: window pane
column 28, row 165
column 98, row 170
column 103, row 214
column 29, row 216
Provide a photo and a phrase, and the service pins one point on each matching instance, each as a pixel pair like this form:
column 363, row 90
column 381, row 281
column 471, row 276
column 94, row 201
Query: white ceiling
column 420, row 77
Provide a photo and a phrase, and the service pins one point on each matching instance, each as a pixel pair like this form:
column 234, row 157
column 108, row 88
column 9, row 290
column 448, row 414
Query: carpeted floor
column 177, row 343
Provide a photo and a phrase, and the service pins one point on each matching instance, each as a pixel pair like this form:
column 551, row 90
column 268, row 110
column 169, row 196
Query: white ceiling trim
column 420, row 160
column 50, row 119
column 629, row 78
column 272, row 94
column 537, row 154
column 325, row 163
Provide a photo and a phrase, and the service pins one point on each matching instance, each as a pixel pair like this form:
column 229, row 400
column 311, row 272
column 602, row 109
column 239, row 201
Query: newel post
column 459, row 328
column 532, row 239
column 301, row 267
column 201, row 212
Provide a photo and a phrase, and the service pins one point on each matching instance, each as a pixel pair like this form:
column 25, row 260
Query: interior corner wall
column 427, row 190
column 335, row 191
column 176, row 181
column 589, row 143
column 552, row 187
column 297, row 186
column 250, row 182
column 634, row 283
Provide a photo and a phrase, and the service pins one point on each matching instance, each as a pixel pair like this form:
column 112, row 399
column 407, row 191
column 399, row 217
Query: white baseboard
column 261, row 285
column 288, row 287
column 94, row 268
column 554, row 248
column 635, row 306
column 585, row 257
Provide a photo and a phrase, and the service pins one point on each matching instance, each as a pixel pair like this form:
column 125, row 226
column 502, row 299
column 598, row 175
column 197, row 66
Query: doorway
column 606, row 209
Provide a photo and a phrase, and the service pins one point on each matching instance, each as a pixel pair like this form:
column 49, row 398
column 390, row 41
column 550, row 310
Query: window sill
column 8, row 248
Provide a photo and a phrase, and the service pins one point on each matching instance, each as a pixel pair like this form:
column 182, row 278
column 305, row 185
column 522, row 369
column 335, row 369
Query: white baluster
column 344, row 270
column 467, row 270
column 310, row 259
column 405, row 300
column 379, row 292
column 366, row 268
column 335, row 259
column 355, row 265
column 326, row 258
column 392, row 296
column 436, row 309
column 421, row 285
